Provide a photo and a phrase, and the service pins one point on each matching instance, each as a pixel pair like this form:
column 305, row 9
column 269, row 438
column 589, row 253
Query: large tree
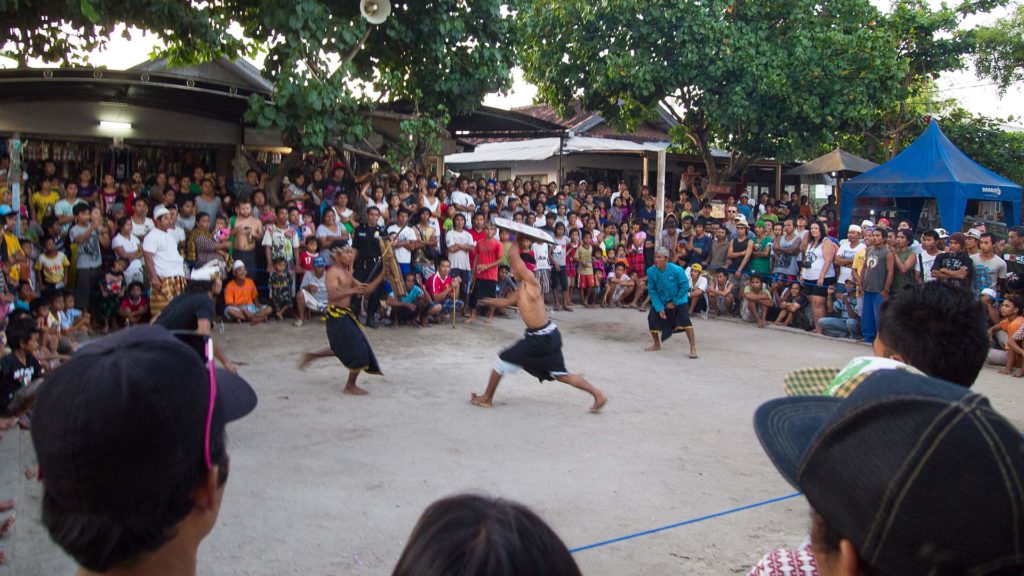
column 328, row 65
column 1000, row 49
column 767, row 78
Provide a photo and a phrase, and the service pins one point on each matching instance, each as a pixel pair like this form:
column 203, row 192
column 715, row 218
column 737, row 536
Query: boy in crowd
column 443, row 288
column 756, row 302
column 134, row 306
column 416, row 306
column 1011, row 356
column 281, row 288
column 241, row 300
column 312, row 294
column 721, row 293
column 620, row 287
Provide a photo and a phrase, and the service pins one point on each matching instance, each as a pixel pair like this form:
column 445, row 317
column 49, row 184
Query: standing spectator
column 847, row 252
column 207, row 202
column 460, row 243
column 280, row 241
column 87, row 234
column 989, row 269
column 740, row 247
column 905, row 272
column 720, row 249
column 281, row 288
column 405, row 239
column 52, row 267
column 489, row 254
column 699, row 250
column 112, row 289
column 366, row 241
column 761, row 254
column 955, row 266
column 786, row 248
column 1013, row 253
column 145, row 507
column 165, row 266
column 245, row 230
column 879, row 265
column 64, row 209
column 817, row 273
column 930, row 252
column 584, row 258
column 142, row 224
column 128, row 246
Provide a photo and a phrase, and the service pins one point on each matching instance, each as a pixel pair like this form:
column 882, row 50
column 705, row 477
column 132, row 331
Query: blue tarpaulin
column 932, row 167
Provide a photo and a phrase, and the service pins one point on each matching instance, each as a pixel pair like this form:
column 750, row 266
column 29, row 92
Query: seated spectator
column 721, row 293
column 620, row 287
column 1010, row 355
column 852, row 458
column 757, row 299
column 134, row 307
column 312, row 295
column 698, row 290
column 281, row 288
column 146, row 506
column 241, row 300
column 20, row 371
column 416, row 306
column 846, row 321
column 443, row 288
column 793, row 307
column 112, row 289
column 470, row 535
column 73, row 322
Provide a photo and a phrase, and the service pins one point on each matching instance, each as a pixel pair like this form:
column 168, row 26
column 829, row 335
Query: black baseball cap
column 920, row 475
column 124, row 421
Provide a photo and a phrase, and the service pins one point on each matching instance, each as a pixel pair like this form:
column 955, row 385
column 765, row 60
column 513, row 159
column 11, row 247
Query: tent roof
column 838, row 160
column 544, row 148
column 932, row 158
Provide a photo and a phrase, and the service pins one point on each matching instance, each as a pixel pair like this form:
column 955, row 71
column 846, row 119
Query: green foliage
column 986, row 142
column 767, row 78
column 421, row 136
column 1000, row 49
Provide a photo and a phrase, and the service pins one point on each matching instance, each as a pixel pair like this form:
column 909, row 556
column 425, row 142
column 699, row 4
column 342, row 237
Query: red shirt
column 306, row 260
column 488, row 251
column 478, row 237
column 437, row 285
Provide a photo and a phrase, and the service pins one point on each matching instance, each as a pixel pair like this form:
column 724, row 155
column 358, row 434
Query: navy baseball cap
column 124, row 421
column 920, row 475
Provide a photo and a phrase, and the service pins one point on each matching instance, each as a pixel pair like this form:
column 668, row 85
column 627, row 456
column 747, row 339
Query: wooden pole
column 644, row 177
column 662, row 157
column 778, row 180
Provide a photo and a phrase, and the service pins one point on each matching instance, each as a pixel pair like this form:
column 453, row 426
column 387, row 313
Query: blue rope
column 684, row 523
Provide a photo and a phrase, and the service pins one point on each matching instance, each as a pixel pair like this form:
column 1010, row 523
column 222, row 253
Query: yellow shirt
column 859, row 259
column 43, row 204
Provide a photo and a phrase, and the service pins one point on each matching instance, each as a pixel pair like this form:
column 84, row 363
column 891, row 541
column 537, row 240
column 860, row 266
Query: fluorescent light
column 116, row 125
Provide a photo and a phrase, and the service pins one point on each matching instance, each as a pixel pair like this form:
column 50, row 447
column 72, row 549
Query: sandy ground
column 323, row 484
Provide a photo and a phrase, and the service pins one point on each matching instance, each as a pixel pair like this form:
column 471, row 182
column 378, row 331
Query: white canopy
column 544, row 148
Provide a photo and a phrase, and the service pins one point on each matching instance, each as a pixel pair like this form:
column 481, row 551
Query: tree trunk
column 273, row 189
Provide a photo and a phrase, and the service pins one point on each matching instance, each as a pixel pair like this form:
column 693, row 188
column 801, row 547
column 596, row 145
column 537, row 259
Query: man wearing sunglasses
column 193, row 310
column 130, row 439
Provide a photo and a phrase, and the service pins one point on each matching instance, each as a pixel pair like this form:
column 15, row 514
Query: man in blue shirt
column 669, row 289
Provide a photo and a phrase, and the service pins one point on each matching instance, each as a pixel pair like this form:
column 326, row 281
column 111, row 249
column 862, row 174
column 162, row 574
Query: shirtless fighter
column 540, row 351
column 345, row 335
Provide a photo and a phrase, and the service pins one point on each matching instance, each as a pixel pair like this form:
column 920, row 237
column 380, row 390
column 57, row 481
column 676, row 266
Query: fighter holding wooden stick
column 540, row 351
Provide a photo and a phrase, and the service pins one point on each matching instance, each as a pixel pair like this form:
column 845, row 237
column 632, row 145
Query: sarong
column 539, row 353
column 676, row 320
column 348, row 342
column 169, row 288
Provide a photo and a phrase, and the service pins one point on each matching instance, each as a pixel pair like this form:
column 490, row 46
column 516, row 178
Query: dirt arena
column 323, row 484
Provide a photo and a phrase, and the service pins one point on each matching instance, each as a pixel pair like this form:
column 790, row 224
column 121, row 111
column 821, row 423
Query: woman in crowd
column 817, row 271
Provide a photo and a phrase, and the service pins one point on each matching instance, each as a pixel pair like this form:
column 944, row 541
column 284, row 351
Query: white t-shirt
column 460, row 198
column 403, row 255
column 845, row 251
column 459, row 260
column 179, row 234
column 142, row 230
column 130, row 245
column 164, row 250
column 925, row 263
column 700, row 284
column 558, row 251
column 540, row 254
column 310, row 279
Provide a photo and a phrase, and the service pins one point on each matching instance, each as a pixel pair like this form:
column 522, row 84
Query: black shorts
column 812, row 288
column 559, row 280
column 675, row 320
column 484, row 289
column 539, row 353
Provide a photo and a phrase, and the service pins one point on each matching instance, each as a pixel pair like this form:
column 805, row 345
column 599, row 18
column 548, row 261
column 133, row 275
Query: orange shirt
column 235, row 295
column 1011, row 327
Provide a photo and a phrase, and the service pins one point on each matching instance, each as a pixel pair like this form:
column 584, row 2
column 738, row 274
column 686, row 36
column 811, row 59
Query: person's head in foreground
column 938, row 328
column 132, row 456
column 908, row 475
column 468, row 535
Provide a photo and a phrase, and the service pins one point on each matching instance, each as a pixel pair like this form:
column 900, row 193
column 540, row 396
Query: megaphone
column 375, row 11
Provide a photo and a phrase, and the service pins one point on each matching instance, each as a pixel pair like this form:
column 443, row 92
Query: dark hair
column 1018, row 301
column 883, row 231
column 930, row 234
column 79, row 208
column 469, row 535
column 101, row 540
column 20, row 331
column 907, row 235
column 991, row 237
column 938, row 328
column 49, row 221
column 199, row 286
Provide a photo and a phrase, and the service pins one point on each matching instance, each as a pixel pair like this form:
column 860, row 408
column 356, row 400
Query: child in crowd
column 308, row 253
column 134, row 307
column 52, row 266
column 111, row 293
column 757, row 299
column 49, row 329
column 792, row 307
column 584, row 258
column 281, row 288
column 72, row 320
column 1010, row 354
column 720, row 293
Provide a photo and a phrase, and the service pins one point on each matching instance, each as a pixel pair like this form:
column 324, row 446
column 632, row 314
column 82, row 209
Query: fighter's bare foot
column 599, row 401
column 1005, row 371
column 5, row 527
column 480, row 401
column 6, row 505
column 469, row 320
column 354, row 390
column 693, row 354
column 306, row 359
column 567, row 308
column 489, row 321
column 1018, row 373
column 653, row 348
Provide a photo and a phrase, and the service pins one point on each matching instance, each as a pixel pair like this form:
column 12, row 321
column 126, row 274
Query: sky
column 975, row 94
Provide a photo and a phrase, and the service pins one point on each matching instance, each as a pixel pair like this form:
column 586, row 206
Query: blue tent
column 932, row 167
